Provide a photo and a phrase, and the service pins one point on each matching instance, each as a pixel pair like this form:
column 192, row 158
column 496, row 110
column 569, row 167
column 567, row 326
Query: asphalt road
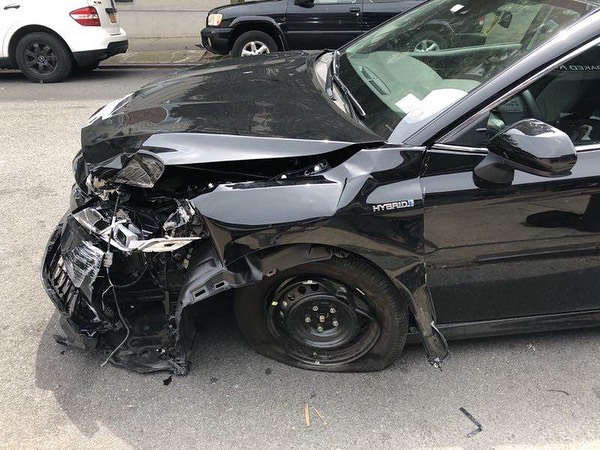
column 527, row 391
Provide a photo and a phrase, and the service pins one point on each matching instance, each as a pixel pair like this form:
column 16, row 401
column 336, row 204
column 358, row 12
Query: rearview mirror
column 506, row 19
column 531, row 146
column 304, row 3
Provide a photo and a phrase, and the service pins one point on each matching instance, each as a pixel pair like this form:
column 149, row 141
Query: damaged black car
column 350, row 201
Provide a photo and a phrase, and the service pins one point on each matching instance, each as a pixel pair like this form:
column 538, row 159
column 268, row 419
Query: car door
column 10, row 12
column 378, row 11
column 319, row 24
column 530, row 248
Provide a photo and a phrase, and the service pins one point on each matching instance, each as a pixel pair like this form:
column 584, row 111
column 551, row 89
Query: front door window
column 568, row 98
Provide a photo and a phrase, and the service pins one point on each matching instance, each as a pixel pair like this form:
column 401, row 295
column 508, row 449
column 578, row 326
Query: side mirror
column 531, row 146
column 304, row 3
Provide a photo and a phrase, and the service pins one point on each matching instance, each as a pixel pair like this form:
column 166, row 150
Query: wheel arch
column 265, row 24
column 297, row 252
column 24, row 31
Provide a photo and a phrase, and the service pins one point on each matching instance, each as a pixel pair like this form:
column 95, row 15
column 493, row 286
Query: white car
column 47, row 39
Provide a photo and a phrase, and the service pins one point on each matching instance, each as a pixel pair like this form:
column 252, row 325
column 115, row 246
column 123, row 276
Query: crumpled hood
column 262, row 97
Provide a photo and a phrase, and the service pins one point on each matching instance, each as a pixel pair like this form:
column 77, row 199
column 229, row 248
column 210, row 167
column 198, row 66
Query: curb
column 149, row 65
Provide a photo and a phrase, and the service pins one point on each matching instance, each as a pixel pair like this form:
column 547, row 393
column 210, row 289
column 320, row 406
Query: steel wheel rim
column 321, row 321
column 254, row 48
column 41, row 58
column 426, row 45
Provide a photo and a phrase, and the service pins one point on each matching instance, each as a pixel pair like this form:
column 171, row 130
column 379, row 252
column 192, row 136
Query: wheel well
column 22, row 32
column 333, row 251
column 341, row 253
column 256, row 26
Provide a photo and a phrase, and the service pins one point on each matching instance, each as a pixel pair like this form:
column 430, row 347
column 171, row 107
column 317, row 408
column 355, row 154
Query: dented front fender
column 371, row 206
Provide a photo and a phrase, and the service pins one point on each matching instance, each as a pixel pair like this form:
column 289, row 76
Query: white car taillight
column 88, row 16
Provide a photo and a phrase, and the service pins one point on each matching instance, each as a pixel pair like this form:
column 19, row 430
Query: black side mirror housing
column 531, row 146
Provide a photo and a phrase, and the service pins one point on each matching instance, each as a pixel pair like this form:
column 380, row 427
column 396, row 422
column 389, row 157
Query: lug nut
column 307, row 319
column 315, row 308
column 335, row 323
column 284, row 304
column 320, row 329
column 332, row 310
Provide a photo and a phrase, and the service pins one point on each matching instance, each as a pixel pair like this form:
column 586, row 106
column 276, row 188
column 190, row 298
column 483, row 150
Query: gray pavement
column 529, row 391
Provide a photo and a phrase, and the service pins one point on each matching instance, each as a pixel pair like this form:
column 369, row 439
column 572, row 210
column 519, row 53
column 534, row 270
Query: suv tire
column 43, row 57
column 427, row 41
column 252, row 43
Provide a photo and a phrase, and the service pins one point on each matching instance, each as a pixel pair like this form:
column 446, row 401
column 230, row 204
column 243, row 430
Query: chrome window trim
column 520, row 87
column 587, row 147
column 450, row 148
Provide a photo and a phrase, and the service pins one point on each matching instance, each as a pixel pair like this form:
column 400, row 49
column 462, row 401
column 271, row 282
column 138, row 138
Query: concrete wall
column 165, row 18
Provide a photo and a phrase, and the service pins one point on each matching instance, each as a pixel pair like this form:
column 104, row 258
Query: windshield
column 414, row 67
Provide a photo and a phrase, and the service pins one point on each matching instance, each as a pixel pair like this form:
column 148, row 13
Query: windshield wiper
column 334, row 78
column 329, row 80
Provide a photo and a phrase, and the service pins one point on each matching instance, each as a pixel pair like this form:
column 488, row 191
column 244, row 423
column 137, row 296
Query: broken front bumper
column 68, row 299
column 142, row 337
column 151, row 327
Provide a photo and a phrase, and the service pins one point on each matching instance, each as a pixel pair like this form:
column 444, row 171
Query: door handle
column 355, row 9
column 13, row 6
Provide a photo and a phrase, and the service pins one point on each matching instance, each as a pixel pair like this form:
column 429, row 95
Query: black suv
column 263, row 27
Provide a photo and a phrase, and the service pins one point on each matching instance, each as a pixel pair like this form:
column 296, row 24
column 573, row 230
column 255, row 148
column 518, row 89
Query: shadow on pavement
column 105, row 74
column 102, row 85
column 521, row 388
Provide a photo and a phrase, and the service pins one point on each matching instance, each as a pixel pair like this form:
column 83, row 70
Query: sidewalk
column 161, row 51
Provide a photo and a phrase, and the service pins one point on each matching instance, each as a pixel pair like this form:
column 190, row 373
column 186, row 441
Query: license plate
column 113, row 17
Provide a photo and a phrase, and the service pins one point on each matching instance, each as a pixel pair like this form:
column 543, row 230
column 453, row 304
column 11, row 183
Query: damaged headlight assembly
column 141, row 171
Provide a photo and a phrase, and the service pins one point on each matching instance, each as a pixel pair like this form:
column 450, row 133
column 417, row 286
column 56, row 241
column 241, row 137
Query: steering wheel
column 533, row 108
column 530, row 110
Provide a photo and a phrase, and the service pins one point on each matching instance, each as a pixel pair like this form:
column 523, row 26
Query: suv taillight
column 88, row 16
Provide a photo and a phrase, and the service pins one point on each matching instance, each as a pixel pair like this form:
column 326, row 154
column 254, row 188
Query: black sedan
column 347, row 200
